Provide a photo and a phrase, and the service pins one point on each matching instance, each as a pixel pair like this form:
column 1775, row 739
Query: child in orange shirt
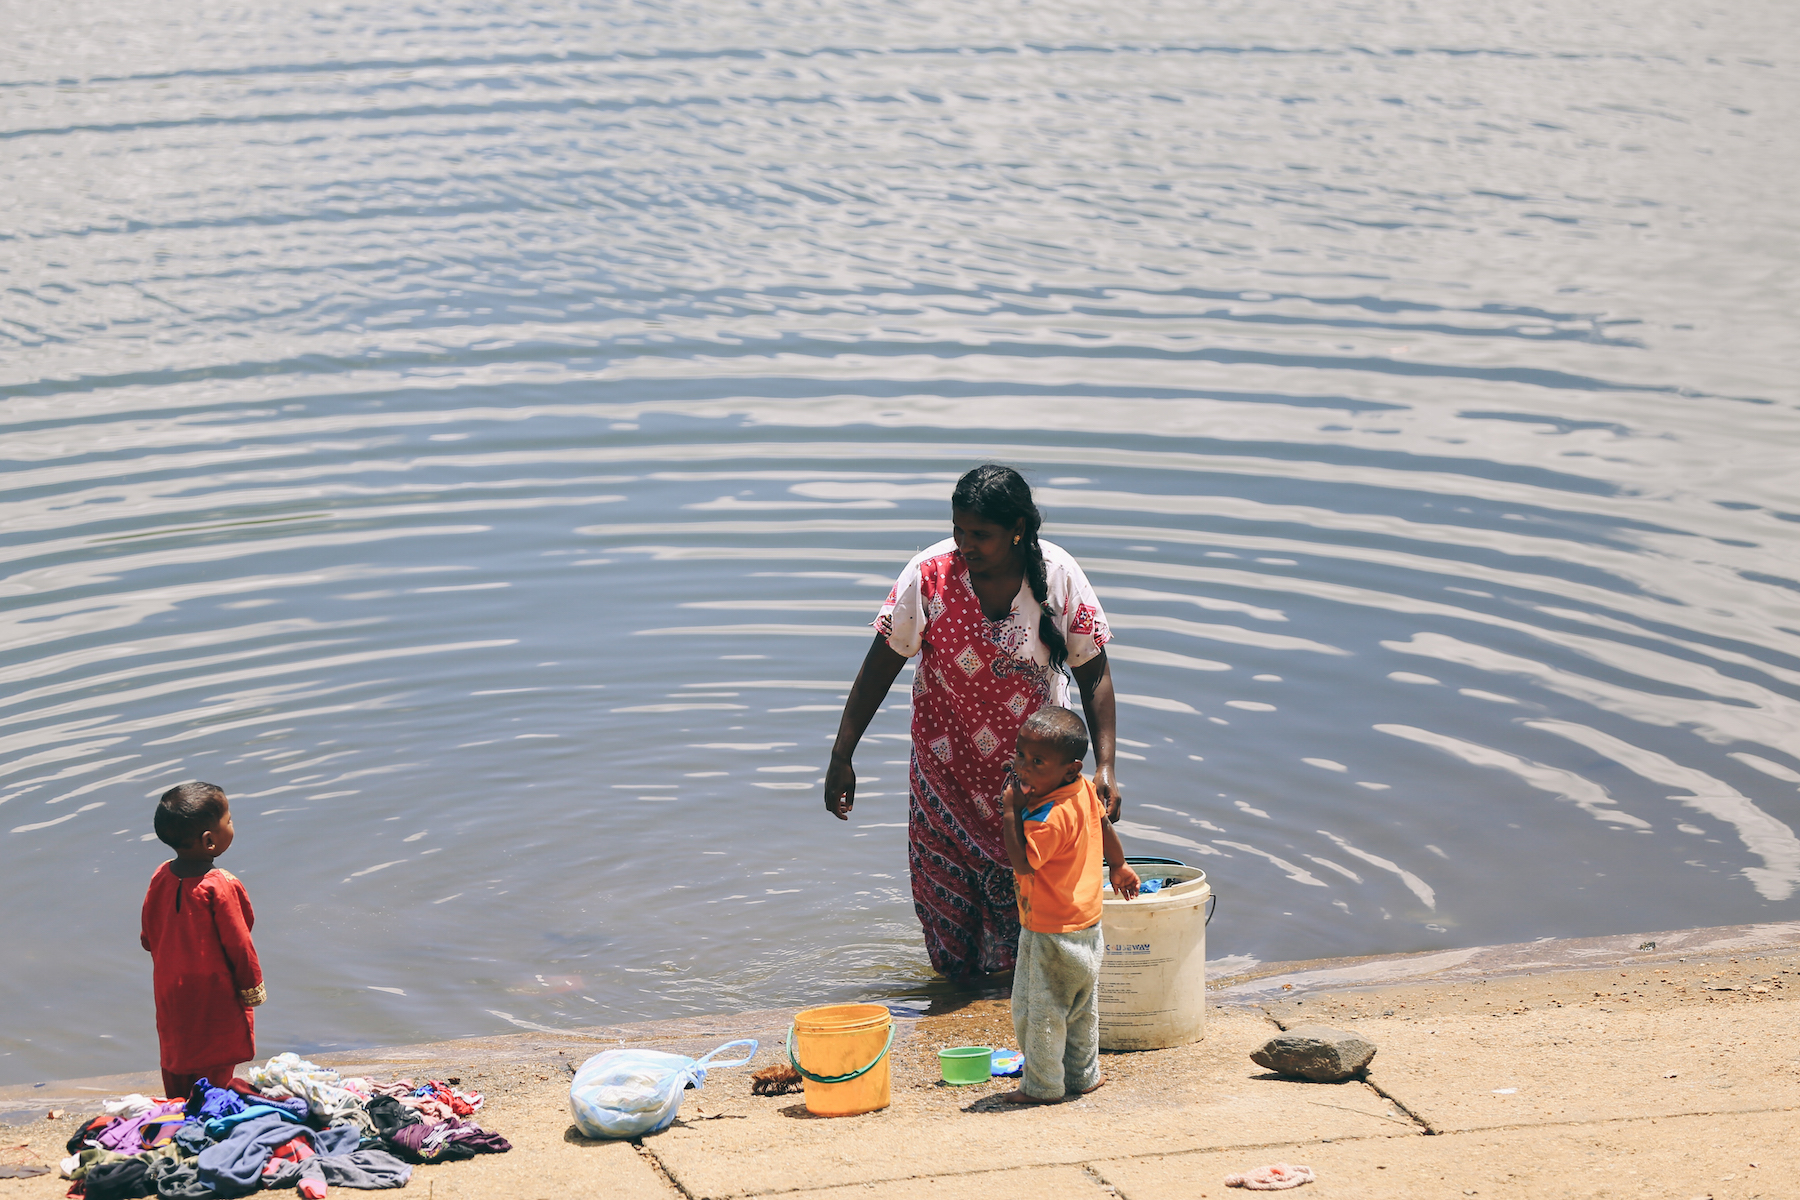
column 196, row 926
column 1056, row 832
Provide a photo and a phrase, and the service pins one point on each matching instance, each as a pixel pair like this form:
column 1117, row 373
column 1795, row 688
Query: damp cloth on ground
column 1007, row 1062
column 22, row 1171
column 628, row 1093
column 1275, row 1178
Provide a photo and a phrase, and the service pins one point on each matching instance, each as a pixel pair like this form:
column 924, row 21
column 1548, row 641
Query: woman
column 996, row 615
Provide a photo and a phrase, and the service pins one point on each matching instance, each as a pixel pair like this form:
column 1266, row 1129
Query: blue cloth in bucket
column 1007, row 1062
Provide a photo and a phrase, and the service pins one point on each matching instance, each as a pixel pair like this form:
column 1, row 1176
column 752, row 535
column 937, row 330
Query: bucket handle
column 1209, row 912
column 845, row 1078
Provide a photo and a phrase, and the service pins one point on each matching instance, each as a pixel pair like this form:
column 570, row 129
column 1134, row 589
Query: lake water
column 477, row 437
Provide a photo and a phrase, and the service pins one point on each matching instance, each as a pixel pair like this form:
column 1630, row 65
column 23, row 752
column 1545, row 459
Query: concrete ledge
column 1501, row 1071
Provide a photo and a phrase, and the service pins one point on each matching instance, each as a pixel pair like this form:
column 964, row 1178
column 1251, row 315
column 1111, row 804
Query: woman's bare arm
column 881, row 666
column 1094, row 678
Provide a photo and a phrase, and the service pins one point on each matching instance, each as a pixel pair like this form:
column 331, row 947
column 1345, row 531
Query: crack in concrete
column 662, row 1172
column 1394, row 1100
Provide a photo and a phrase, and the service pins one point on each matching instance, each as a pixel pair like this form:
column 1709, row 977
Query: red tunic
column 198, row 934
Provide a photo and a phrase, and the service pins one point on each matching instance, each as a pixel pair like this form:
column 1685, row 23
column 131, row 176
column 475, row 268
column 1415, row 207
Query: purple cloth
column 446, row 1141
column 127, row 1137
column 208, row 1102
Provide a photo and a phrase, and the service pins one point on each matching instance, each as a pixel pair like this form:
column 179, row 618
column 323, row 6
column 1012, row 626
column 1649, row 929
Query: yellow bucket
column 841, row 1050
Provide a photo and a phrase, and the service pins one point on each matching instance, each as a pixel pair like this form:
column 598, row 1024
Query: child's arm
column 1012, row 828
column 232, row 919
column 1124, row 879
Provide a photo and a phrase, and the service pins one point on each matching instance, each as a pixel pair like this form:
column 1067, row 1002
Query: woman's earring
column 1015, row 539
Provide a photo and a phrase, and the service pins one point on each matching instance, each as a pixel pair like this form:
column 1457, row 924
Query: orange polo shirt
column 1062, row 844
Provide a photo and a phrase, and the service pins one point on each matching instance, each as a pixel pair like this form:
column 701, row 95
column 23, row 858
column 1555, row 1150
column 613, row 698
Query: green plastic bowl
column 967, row 1064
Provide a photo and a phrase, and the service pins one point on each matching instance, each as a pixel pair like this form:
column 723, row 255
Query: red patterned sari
column 977, row 681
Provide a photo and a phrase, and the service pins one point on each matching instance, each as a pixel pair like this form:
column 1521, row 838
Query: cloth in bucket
column 628, row 1093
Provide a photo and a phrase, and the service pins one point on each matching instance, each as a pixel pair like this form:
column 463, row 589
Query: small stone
column 1315, row 1052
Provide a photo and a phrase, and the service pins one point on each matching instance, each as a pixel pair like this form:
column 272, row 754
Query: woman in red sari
column 995, row 615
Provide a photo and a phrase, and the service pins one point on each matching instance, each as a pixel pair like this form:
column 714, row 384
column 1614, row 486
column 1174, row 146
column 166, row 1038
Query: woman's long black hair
column 1001, row 495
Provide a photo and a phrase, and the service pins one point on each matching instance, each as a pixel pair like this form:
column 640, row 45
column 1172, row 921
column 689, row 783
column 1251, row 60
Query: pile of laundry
column 291, row 1124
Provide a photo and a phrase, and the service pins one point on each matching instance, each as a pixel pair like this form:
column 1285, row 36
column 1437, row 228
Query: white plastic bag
column 629, row 1093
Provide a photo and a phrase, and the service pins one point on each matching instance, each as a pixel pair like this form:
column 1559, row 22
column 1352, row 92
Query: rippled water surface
column 477, row 437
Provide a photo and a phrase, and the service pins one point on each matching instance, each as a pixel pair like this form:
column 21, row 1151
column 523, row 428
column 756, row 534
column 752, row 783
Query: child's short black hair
column 187, row 811
column 1060, row 728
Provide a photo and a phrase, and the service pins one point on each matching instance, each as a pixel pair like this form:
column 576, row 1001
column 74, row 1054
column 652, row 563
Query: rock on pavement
column 1315, row 1052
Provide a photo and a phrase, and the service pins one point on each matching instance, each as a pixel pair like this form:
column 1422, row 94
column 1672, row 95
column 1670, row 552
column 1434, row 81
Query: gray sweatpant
column 1056, row 1010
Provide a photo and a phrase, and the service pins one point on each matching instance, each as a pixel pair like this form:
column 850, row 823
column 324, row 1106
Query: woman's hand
column 840, row 788
column 1094, row 677
column 1107, row 788
column 881, row 666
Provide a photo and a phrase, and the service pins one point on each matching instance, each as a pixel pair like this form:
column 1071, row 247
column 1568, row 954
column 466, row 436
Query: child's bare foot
column 1021, row 1097
column 1098, row 1084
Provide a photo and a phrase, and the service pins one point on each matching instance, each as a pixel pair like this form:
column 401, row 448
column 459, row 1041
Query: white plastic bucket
column 1153, row 979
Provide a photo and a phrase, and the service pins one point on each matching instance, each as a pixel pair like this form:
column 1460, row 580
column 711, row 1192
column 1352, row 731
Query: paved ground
column 1671, row 1071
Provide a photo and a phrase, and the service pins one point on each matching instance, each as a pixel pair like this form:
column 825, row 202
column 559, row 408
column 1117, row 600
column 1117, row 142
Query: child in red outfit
column 196, row 926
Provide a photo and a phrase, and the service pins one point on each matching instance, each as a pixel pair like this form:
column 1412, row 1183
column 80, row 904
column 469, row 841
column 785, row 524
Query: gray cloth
column 234, row 1167
column 364, row 1169
column 339, row 1139
column 182, row 1182
column 1056, row 1010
